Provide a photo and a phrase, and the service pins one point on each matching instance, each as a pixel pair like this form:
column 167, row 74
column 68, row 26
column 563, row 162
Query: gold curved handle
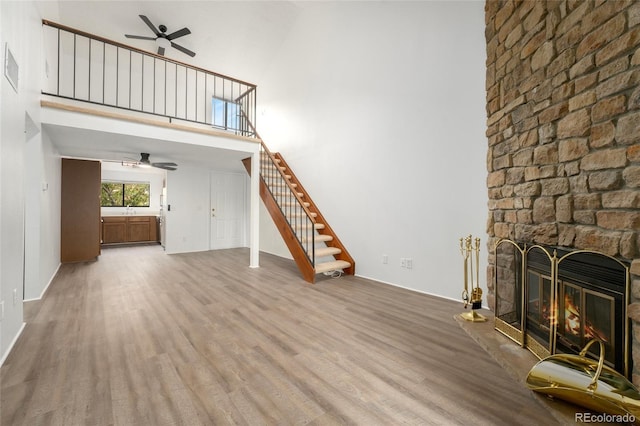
column 465, row 298
column 594, row 382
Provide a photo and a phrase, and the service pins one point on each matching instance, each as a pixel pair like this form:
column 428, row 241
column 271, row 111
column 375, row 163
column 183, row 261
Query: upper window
column 225, row 114
column 124, row 194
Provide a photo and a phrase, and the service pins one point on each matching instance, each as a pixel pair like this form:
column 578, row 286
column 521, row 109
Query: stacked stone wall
column 563, row 129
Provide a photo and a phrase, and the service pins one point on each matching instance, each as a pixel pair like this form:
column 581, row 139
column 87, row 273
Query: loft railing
column 289, row 201
column 88, row 68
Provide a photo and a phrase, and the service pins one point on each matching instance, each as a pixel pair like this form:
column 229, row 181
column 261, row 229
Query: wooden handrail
column 289, row 184
column 273, row 160
column 344, row 255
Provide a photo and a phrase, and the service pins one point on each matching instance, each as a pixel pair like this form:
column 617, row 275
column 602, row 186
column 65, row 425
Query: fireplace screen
column 555, row 301
column 540, row 312
column 508, row 290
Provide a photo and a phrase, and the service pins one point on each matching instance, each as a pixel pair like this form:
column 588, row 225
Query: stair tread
column 319, row 238
column 265, row 157
column 327, row 251
column 275, row 175
column 331, row 266
column 312, row 214
column 281, row 194
column 295, row 204
column 268, row 163
column 282, row 184
column 303, row 226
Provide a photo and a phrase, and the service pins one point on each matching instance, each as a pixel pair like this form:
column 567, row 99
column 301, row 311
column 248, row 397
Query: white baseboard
column 409, row 288
column 53, row 276
column 13, row 342
column 47, row 286
column 417, row 291
column 15, row 339
column 288, row 257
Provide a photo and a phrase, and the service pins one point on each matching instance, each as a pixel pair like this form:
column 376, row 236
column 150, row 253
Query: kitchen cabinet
column 80, row 211
column 114, row 230
column 138, row 229
column 129, row 229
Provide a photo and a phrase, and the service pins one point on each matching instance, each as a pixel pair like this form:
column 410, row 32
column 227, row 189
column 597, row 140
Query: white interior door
column 228, row 210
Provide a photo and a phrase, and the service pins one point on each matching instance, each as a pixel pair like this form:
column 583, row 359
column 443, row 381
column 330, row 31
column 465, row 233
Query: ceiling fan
column 162, row 39
column 145, row 162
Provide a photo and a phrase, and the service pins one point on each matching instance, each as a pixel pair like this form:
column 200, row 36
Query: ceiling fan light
column 163, row 42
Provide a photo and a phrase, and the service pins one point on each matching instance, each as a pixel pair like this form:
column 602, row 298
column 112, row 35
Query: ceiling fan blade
column 160, row 50
column 150, row 25
column 170, row 164
column 183, row 49
column 164, row 166
column 140, row 37
column 179, row 33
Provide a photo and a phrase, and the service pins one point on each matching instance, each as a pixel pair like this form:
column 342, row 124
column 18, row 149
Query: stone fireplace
column 563, row 159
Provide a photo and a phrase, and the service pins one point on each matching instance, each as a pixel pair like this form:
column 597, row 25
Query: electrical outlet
column 409, row 263
column 15, row 296
column 385, row 259
column 403, row 262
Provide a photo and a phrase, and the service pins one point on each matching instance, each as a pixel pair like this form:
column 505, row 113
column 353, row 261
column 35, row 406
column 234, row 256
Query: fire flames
column 549, row 313
column 572, row 319
column 572, row 322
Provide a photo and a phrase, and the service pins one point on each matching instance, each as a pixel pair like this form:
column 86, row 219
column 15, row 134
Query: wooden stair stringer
column 299, row 256
column 327, row 230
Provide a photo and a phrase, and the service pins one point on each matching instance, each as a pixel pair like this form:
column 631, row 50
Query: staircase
column 313, row 244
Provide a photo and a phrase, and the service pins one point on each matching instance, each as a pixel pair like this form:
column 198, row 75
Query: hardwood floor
column 144, row 338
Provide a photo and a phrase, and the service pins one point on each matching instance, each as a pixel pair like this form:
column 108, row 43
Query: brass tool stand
column 467, row 249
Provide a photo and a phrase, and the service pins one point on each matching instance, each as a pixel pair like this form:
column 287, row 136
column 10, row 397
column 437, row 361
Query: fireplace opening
column 553, row 300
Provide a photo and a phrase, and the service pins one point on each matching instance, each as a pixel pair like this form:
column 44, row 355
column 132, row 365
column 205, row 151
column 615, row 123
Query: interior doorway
column 227, row 210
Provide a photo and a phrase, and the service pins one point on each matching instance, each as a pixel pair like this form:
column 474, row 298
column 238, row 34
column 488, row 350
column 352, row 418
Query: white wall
column 379, row 107
column 2, row 119
column 20, row 28
column 42, row 215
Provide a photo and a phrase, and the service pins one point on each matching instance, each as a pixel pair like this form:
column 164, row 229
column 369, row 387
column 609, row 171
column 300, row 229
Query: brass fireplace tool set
column 470, row 250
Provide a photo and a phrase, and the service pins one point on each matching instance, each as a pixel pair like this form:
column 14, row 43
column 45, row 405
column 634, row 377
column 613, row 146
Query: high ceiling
column 235, row 38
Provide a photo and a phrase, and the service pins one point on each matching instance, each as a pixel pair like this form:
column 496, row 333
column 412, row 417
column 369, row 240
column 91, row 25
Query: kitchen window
column 125, row 194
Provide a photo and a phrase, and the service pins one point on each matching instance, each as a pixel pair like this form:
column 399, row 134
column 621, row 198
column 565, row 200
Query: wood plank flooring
column 145, row 338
